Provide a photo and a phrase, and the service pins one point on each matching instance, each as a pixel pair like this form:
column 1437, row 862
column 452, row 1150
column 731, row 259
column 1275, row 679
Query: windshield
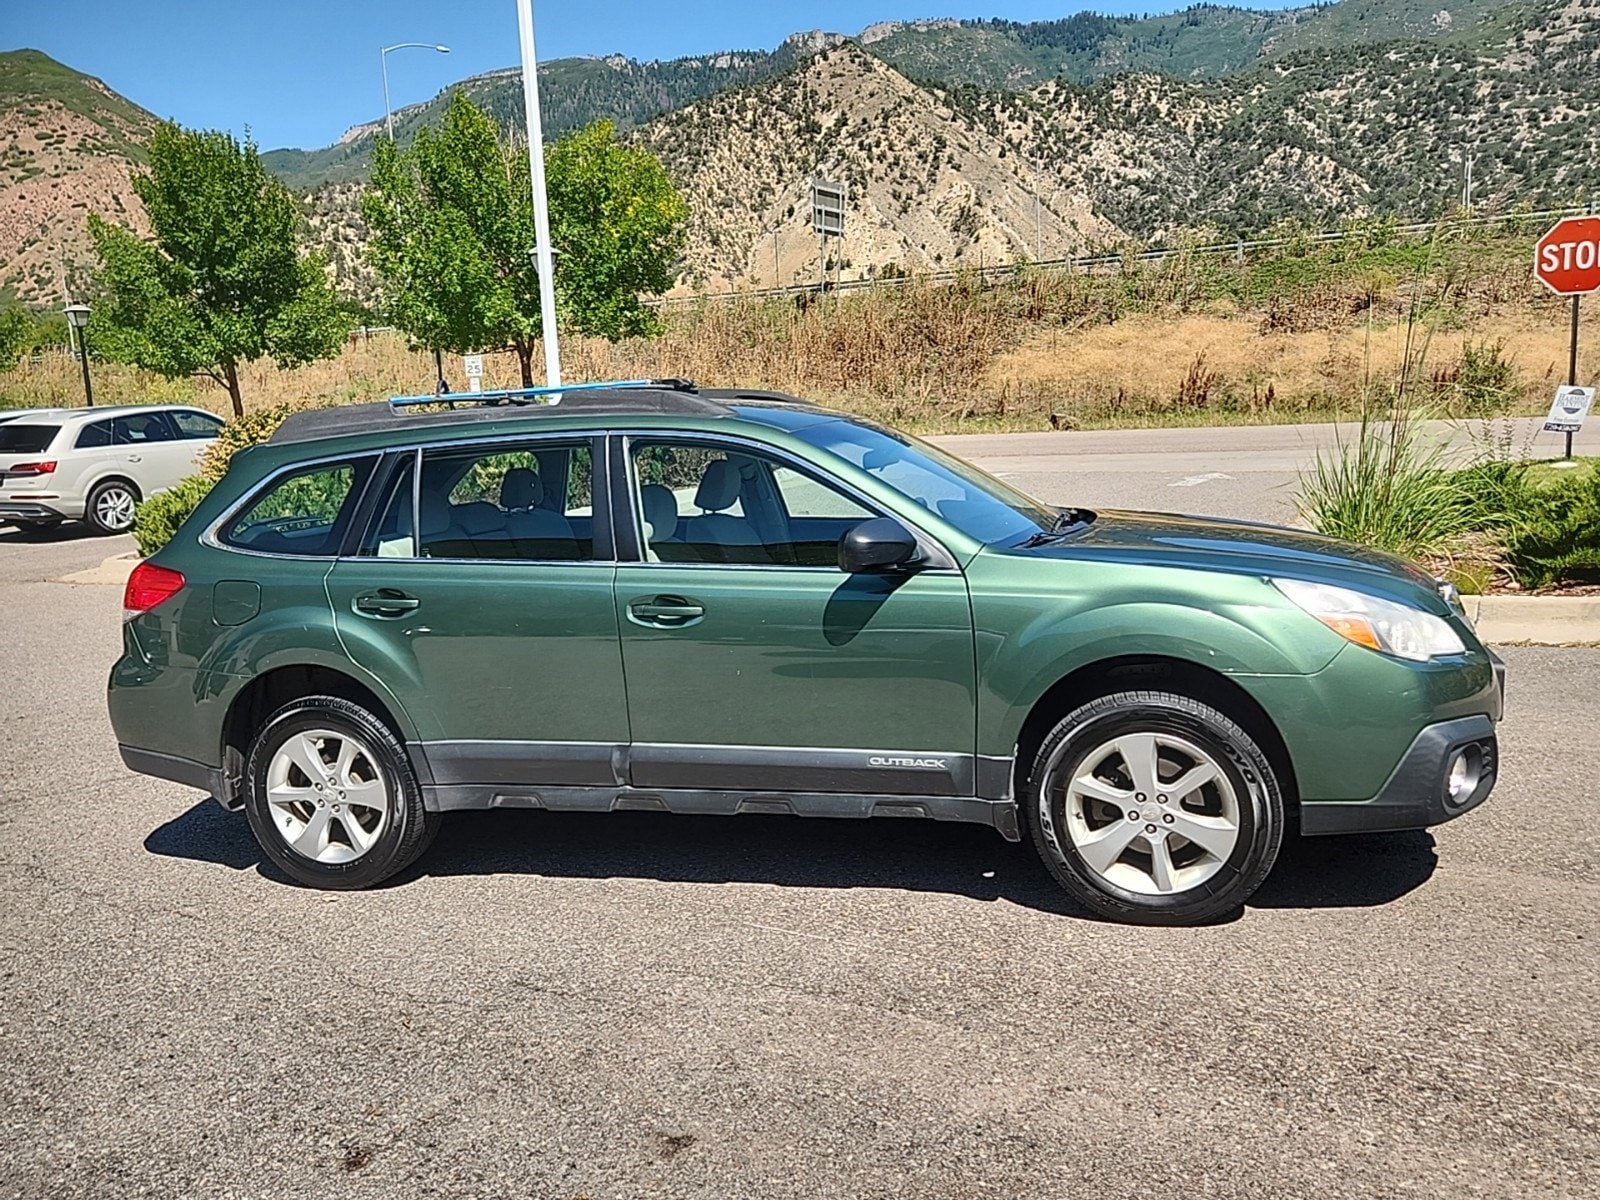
column 16, row 438
column 974, row 501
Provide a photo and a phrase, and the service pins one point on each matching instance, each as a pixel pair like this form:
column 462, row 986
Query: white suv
column 95, row 464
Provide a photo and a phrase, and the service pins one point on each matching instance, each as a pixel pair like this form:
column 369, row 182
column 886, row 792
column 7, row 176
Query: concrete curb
column 1536, row 620
column 114, row 570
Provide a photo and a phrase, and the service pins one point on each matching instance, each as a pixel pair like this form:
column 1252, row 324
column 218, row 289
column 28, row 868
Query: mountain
column 573, row 92
column 962, row 142
column 68, row 144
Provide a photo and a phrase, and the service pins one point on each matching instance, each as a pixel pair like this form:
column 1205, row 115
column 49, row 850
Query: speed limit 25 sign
column 1567, row 259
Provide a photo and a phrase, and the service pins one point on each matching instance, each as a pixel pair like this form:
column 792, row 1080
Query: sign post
column 828, row 203
column 1567, row 261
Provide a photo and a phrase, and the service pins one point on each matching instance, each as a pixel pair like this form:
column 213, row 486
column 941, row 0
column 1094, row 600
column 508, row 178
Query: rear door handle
column 386, row 603
column 667, row 611
column 135, row 458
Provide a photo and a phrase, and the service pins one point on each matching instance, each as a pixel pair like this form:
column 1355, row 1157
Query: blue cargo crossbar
column 538, row 395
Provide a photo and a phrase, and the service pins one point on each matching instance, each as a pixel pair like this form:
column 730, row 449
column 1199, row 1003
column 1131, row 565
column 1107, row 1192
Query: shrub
column 1386, row 489
column 156, row 520
column 249, row 430
column 1554, row 536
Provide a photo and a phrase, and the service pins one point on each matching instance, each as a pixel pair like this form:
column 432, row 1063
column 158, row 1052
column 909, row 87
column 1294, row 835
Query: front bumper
column 1417, row 793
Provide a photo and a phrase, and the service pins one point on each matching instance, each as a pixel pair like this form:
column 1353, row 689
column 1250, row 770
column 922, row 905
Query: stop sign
column 1567, row 259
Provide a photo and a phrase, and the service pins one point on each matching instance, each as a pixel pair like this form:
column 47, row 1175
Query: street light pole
column 383, row 60
column 543, row 257
column 78, row 319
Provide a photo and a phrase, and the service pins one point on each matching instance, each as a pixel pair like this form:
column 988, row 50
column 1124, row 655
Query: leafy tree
column 224, row 281
column 453, row 234
column 618, row 223
column 16, row 332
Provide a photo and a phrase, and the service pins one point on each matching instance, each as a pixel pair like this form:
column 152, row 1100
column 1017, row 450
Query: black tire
column 409, row 828
column 103, row 522
column 1258, row 801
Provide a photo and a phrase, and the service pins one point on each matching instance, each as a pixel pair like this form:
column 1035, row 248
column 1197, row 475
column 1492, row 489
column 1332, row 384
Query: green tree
column 16, row 332
column 453, row 235
column 619, row 225
column 224, row 280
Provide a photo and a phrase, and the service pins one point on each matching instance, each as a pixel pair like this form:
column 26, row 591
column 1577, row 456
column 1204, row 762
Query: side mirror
column 881, row 544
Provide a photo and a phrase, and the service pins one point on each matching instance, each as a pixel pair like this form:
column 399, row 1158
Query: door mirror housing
column 881, row 544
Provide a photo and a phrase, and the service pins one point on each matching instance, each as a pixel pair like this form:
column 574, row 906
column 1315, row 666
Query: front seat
column 660, row 521
column 720, row 485
column 520, row 489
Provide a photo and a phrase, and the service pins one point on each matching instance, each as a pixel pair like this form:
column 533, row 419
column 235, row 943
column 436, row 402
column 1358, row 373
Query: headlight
column 1382, row 625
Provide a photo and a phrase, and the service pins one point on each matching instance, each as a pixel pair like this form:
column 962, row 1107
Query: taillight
column 38, row 468
column 148, row 586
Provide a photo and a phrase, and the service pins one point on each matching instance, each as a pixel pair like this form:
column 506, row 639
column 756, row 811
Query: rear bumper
column 179, row 770
column 1417, row 793
column 19, row 510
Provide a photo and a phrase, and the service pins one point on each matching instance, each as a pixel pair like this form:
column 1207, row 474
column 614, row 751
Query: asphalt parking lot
column 635, row 1005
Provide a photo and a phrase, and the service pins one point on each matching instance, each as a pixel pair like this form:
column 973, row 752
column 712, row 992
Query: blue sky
column 298, row 72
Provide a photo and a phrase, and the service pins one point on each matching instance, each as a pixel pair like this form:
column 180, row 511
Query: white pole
column 541, row 207
column 388, row 114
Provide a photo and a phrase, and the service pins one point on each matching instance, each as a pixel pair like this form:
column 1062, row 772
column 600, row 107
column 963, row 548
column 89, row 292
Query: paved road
column 1246, row 471
column 624, row 1006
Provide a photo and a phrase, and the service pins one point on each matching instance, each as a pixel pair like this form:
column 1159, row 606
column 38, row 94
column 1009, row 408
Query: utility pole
column 541, row 207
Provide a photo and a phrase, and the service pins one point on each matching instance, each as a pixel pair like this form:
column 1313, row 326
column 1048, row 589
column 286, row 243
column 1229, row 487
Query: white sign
column 472, row 364
column 1570, row 408
column 828, row 202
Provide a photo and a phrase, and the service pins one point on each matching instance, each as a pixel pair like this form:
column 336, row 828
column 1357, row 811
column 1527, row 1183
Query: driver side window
column 711, row 503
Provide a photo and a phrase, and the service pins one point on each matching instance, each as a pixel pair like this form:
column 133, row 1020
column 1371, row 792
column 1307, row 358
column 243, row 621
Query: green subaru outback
column 656, row 597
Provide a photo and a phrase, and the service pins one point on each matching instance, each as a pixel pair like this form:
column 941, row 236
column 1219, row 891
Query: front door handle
column 665, row 611
column 386, row 602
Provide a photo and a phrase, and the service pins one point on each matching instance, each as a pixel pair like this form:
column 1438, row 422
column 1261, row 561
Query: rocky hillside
column 68, row 144
column 964, row 143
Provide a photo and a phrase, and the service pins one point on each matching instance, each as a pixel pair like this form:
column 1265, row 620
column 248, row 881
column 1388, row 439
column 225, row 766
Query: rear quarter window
column 17, row 438
column 304, row 512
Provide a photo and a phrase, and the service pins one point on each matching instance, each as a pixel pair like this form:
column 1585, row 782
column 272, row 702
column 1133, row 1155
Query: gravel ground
column 634, row 1005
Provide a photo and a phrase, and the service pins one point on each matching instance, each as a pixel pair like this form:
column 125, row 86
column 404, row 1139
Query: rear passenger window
column 526, row 502
column 391, row 535
column 97, row 434
column 302, row 513
column 140, row 428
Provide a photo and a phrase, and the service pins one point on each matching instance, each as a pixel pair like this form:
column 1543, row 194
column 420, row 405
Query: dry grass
column 1188, row 342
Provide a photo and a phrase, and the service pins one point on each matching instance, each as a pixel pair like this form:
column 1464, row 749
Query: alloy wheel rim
column 1151, row 813
column 326, row 796
column 114, row 508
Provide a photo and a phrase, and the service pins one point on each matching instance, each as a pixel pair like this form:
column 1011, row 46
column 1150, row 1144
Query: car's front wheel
column 1155, row 809
column 110, row 507
column 331, row 796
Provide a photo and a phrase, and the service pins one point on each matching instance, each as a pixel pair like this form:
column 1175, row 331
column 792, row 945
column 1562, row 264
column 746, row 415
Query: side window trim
column 365, row 511
column 942, row 559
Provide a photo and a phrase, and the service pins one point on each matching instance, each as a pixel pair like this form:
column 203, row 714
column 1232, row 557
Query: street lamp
column 78, row 319
column 383, row 59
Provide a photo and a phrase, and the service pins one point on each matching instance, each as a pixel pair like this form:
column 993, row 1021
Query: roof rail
column 538, row 395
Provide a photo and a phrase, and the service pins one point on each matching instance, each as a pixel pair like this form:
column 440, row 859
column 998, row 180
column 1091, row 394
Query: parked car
column 698, row 601
column 95, row 464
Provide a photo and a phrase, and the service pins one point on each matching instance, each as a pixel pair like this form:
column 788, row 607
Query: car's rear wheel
column 331, row 796
column 1156, row 809
column 110, row 507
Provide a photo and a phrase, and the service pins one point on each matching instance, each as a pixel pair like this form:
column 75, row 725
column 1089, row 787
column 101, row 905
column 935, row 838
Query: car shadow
column 965, row 860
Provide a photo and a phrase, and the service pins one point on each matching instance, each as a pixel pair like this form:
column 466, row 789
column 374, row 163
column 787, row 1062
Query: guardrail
column 1091, row 262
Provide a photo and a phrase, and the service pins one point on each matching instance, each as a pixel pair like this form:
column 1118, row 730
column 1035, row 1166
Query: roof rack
column 634, row 397
column 537, row 395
